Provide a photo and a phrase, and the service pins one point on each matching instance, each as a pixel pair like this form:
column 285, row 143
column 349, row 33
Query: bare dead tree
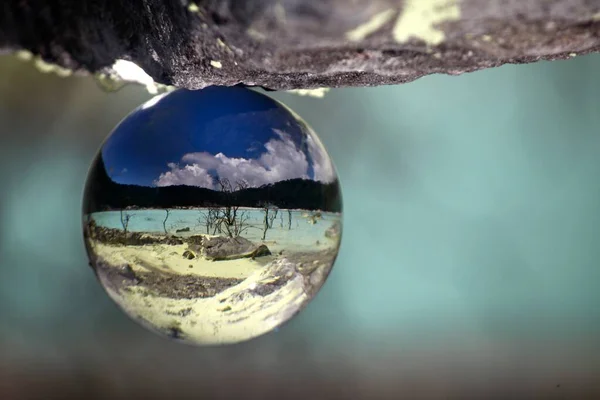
column 165, row 221
column 218, row 222
column 206, row 220
column 240, row 225
column 272, row 216
column 265, row 208
column 230, row 218
column 289, row 219
column 125, row 218
column 209, row 219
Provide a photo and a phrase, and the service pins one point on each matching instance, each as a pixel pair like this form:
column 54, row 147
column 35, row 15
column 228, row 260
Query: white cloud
column 281, row 161
column 191, row 175
column 322, row 166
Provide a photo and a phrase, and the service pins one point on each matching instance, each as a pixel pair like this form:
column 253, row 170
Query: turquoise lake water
column 301, row 234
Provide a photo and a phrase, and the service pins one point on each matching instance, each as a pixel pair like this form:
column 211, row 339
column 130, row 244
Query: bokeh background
column 469, row 268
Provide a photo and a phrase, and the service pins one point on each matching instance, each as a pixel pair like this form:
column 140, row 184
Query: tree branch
column 291, row 44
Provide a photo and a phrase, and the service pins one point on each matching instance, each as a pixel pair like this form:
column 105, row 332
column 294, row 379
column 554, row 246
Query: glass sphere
column 212, row 216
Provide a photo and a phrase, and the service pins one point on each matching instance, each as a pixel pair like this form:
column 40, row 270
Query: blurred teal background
column 469, row 262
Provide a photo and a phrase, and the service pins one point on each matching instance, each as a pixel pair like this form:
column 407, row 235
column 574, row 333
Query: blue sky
column 178, row 138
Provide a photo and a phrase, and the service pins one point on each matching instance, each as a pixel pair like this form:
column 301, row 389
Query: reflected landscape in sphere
column 212, row 216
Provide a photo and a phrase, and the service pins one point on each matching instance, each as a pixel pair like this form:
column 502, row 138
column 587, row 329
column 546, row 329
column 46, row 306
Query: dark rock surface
column 290, row 44
column 334, row 231
column 212, row 248
column 225, row 248
column 189, row 255
column 163, row 284
column 194, row 239
column 119, row 237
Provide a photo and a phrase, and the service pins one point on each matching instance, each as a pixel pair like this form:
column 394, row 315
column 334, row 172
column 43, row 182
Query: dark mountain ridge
column 103, row 194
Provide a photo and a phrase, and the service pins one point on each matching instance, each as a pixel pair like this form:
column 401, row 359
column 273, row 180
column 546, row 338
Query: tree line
column 103, row 194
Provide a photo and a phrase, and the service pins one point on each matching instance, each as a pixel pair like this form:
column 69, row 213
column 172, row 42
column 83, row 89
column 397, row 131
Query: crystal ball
column 212, row 216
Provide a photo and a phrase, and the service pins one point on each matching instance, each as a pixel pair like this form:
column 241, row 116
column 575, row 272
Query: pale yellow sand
column 169, row 258
column 236, row 314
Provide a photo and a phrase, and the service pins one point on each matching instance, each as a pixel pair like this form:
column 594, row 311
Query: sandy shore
column 169, row 258
column 263, row 301
column 211, row 302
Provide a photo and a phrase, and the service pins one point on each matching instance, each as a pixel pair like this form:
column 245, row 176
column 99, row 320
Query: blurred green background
column 469, row 261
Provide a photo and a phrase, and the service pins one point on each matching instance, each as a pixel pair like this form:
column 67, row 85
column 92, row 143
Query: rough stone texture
column 290, row 44
column 118, row 237
column 225, row 248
